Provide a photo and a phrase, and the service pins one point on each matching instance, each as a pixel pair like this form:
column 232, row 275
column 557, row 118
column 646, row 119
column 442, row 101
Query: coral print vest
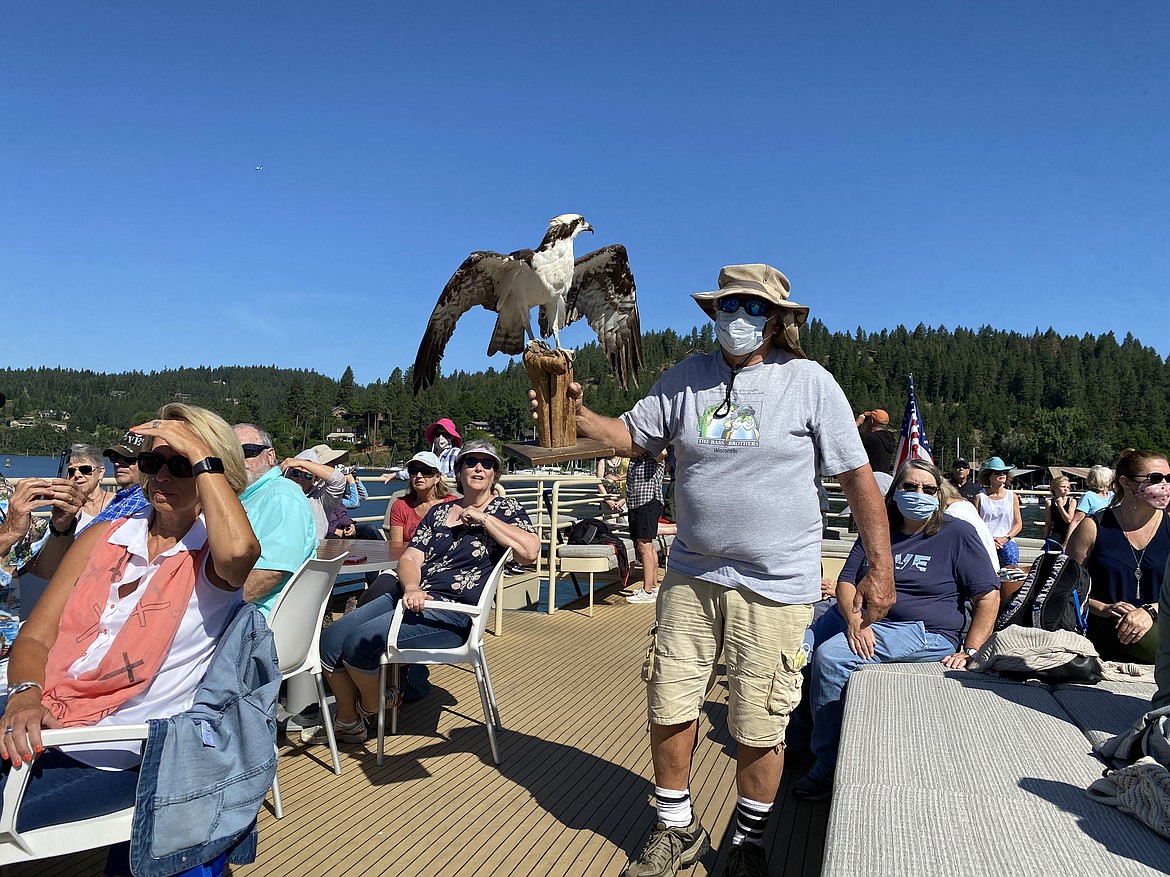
column 138, row 649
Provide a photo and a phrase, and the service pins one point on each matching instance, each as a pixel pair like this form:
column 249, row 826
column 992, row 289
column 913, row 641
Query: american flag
column 912, row 443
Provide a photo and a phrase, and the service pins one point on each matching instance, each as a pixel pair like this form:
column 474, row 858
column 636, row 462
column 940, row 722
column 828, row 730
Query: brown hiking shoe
column 669, row 849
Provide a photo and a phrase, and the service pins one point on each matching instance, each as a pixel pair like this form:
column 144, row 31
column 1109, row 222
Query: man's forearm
column 984, row 610
column 261, row 582
column 611, row 431
column 869, row 511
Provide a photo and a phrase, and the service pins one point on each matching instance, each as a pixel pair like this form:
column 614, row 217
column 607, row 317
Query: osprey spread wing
column 598, row 286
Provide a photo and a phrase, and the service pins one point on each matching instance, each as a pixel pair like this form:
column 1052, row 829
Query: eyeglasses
column 1148, row 478
column 119, row 460
column 151, row 464
column 911, row 487
column 421, row 470
column 88, row 470
column 961, row 466
column 251, row 451
column 296, row 474
column 754, row 307
column 488, row 463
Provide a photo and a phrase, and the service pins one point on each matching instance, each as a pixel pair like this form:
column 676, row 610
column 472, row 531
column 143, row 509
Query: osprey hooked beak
column 585, row 226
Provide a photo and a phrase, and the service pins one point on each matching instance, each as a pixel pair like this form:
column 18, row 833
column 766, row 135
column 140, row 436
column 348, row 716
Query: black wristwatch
column 1152, row 610
column 207, row 464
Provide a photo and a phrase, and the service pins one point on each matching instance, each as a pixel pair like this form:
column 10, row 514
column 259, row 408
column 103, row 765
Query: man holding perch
column 752, row 425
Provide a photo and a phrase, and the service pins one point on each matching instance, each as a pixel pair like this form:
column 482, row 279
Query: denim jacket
column 205, row 772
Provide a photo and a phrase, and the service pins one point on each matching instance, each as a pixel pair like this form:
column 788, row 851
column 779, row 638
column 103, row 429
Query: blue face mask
column 915, row 505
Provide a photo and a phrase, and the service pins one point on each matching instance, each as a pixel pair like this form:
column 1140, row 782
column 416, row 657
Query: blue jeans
column 358, row 640
column 833, row 662
column 62, row 789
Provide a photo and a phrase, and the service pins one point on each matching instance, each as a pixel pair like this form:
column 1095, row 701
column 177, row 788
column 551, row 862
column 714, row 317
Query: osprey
column 598, row 286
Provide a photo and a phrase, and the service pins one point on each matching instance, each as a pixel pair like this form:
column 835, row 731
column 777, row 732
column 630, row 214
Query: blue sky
column 950, row 163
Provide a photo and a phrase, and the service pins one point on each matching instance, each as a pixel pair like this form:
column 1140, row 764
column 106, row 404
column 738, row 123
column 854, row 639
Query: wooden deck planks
column 572, row 797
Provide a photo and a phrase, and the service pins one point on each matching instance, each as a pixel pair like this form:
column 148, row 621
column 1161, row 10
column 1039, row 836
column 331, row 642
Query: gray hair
column 1099, row 478
column 88, row 454
column 265, row 438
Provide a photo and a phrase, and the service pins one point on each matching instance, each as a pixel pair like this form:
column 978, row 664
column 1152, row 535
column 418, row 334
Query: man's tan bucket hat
column 761, row 281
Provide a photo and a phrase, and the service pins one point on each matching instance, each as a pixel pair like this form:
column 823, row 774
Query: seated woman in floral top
column 449, row 559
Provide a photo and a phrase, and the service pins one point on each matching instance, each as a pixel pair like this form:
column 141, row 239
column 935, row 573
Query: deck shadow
column 580, row 790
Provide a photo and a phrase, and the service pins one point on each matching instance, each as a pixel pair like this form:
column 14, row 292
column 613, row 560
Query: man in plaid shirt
column 644, row 501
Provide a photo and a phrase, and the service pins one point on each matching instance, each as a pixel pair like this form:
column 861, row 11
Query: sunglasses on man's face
column 753, row 307
column 84, row 470
column 152, row 463
column 299, row 474
column 911, row 487
column 1152, row 477
column 426, row 471
column 119, row 460
column 471, row 462
column 251, row 450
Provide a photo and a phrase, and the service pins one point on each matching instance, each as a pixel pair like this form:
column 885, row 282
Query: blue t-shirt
column 1092, row 502
column 283, row 523
column 933, row 576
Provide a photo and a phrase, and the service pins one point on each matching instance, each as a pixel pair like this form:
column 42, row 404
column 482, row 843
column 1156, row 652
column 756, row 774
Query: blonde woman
column 1058, row 514
column 186, row 556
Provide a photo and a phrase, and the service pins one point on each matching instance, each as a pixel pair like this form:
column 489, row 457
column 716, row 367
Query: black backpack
column 1054, row 596
column 592, row 531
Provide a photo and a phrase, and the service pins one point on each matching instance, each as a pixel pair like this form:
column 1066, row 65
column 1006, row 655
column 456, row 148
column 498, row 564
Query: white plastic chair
column 68, row 837
column 295, row 621
column 470, row 652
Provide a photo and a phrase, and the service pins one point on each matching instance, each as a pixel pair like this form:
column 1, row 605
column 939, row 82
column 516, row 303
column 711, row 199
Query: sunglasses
column 251, row 451
column 488, row 463
column 152, row 463
column 1150, row 478
column 119, row 460
column 88, row 470
column 421, row 470
column 957, row 466
column 295, row 474
column 911, row 487
column 754, row 307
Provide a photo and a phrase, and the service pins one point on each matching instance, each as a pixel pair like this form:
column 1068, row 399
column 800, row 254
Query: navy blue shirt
column 933, row 576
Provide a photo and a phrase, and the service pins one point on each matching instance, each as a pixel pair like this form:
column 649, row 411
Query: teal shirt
column 283, row 522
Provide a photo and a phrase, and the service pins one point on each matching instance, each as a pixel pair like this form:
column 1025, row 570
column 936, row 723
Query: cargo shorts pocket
column 648, row 665
column 786, row 681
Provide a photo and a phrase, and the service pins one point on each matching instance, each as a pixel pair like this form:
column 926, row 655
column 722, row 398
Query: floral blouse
column 458, row 560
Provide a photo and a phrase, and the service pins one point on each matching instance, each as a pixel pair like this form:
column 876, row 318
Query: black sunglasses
column 911, row 487
column 421, row 470
column 251, row 451
column 152, row 463
column 1151, row 478
column 754, row 307
column 88, row 470
column 120, row 460
column 470, row 462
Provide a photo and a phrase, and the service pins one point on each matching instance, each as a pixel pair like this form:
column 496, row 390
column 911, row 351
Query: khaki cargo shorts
column 761, row 643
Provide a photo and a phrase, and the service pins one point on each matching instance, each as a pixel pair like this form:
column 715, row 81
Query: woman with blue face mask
column 939, row 564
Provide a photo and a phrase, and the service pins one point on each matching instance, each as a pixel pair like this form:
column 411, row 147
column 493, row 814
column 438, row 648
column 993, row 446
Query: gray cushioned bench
column 957, row 773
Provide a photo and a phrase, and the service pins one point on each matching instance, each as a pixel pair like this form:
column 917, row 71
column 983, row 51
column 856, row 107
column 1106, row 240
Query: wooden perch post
column 551, row 372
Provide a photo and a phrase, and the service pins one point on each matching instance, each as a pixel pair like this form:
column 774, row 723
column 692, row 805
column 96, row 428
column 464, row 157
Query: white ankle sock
column 750, row 819
column 674, row 807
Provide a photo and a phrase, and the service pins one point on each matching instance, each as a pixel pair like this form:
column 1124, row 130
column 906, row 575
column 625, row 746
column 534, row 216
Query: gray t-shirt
column 746, row 494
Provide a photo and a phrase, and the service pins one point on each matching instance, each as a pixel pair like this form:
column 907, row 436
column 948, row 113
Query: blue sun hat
column 996, row 464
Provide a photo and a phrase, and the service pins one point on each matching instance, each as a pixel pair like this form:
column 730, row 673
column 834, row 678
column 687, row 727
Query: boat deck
column 572, row 797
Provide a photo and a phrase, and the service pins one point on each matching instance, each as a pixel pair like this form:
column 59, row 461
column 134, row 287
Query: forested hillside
column 1037, row 399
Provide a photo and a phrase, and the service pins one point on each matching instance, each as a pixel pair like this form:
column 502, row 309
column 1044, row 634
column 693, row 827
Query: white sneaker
column 641, row 596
